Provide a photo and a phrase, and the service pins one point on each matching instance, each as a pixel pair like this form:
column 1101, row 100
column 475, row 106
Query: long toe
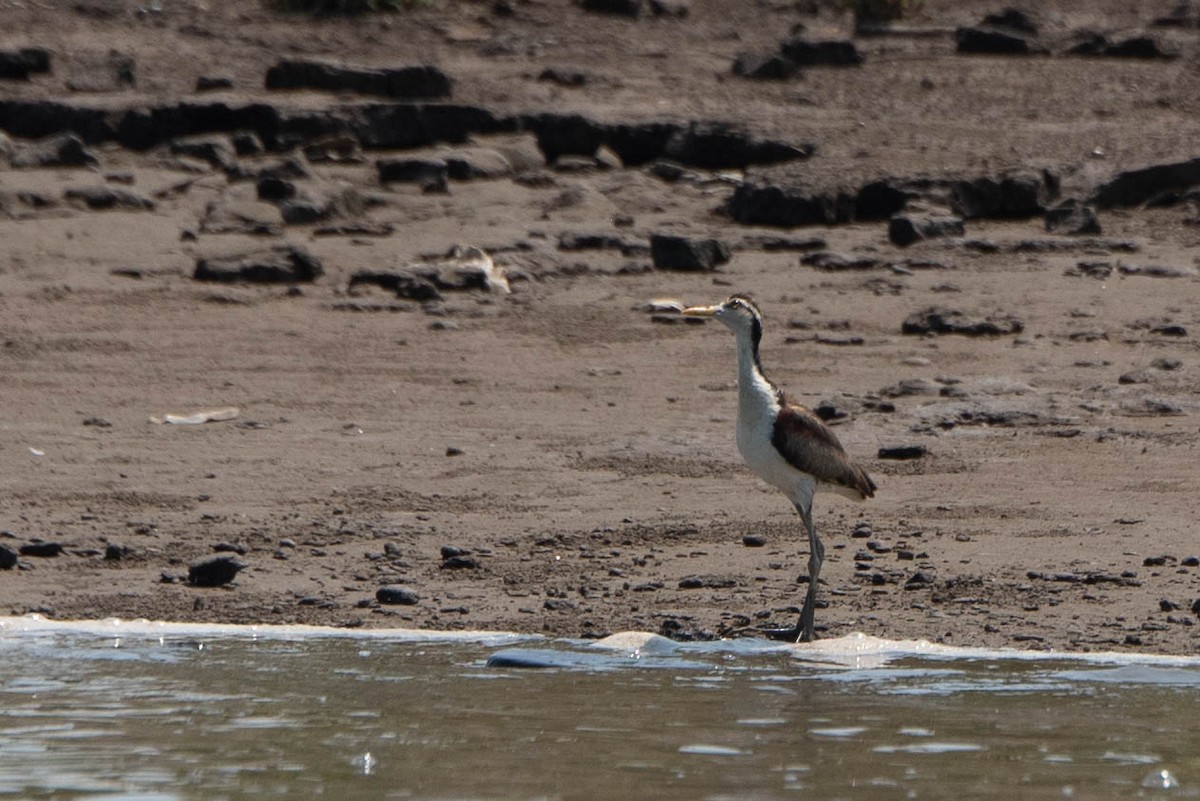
column 789, row 634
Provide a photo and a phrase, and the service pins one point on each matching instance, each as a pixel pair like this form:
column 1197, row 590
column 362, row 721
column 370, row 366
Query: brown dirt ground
column 597, row 464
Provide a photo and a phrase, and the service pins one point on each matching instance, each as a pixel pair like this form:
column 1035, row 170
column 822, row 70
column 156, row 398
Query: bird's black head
column 738, row 313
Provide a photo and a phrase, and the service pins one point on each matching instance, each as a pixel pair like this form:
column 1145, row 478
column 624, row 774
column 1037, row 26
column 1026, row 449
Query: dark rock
column 754, row 540
column 1072, row 217
column 8, row 558
column 211, row 83
column 707, row 582
column 624, row 8
column 918, row 581
column 1012, row 19
column 905, row 229
column 1155, row 270
column 1100, row 46
column 98, row 422
column 460, row 563
column 214, row 571
column 1167, row 605
column 1135, row 187
column 903, row 452
column 776, row 244
column 1184, row 15
column 102, row 198
column 61, row 150
column 988, row 40
column 718, row 146
column 833, row 262
column 669, row 8
column 764, row 66
column 36, row 119
column 408, row 125
column 828, row 53
column 563, row 77
column 449, row 551
column 670, row 252
column 421, row 171
column 1166, row 363
column 216, row 151
column 280, row 264
column 879, row 200
column 1008, row 197
column 143, row 128
column 231, row 547
column 115, row 553
column 788, row 206
column 939, row 320
column 1134, row 377
column 573, row 240
column 402, row 83
column 405, row 284
column 396, row 596
column 20, row 64
column 337, row 149
column 273, row 188
column 321, row 202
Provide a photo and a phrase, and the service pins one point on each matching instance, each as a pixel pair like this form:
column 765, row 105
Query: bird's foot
column 789, row 634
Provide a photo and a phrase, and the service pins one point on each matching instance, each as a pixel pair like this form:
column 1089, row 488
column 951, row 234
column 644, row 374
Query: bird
column 785, row 444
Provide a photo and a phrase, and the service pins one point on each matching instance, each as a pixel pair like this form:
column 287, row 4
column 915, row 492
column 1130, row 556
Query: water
column 144, row 711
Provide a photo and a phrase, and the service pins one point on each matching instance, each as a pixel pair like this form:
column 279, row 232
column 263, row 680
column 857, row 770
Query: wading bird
column 785, row 444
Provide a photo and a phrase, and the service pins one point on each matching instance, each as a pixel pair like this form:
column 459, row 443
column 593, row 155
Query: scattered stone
column 1166, row 363
column 115, row 553
column 213, row 83
column 919, row 581
column 428, row 173
column 624, row 8
column 214, row 571
column 1091, row 269
column 996, row 41
column 215, row 150
column 1012, row 19
column 396, row 596
column 60, row 150
column 836, row 262
column 97, row 422
column 905, row 229
column 460, row 562
column 406, row 285
column 826, row 53
column 103, row 198
column 41, row 548
column 8, row 558
column 1155, row 270
column 1167, row 605
column 1009, row 197
column 572, row 79
column 1134, row 377
column 775, row 244
column 707, row 582
column 764, row 66
column 720, row 146
column 788, row 206
column 669, row 252
column 401, row 83
column 20, row 64
column 280, row 264
column 1072, row 217
column 231, row 547
column 941, row 320
column 1157, row 561
column 903, row 452
column 1100, row 46
column 754, row 540
column 1135, row 187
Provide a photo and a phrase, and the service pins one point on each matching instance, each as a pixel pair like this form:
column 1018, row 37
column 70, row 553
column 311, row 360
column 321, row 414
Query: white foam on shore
column 854, row 651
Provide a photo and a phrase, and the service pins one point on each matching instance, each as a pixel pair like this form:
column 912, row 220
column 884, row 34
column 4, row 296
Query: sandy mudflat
column 577, row 450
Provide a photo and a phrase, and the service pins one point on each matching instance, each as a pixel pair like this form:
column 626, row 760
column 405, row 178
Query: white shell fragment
column 196, row 418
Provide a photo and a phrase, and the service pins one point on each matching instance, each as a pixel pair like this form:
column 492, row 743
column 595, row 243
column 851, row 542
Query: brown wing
column 809, row 446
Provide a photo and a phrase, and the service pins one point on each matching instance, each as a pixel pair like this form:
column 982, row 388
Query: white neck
column 756, row 396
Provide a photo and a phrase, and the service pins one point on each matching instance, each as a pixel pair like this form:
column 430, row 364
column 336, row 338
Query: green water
column 88, row 714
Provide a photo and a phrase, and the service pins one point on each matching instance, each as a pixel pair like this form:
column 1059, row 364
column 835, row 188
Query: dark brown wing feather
column 809, row 446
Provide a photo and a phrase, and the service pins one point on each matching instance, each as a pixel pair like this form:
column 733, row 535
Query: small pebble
column 396, row 596
column 754, row 540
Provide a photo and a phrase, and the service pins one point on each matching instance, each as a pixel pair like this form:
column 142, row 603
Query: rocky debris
column 903, row 452
column 214, row 571
column 422, row 82
column 396, row 596
column 764, row 66
column 754, row 540
column 1144, row 185
column 60, row 150
column 769, row 243
column 572, row 241
column 1098, row 45
column 20, row 64
column 115, row 553
column 1185, row 14
column 42, row 548
column 428, row 173
column 788, row 206
column 1156, row 270
column 941, row 320
column 707, row 583
column 279, row 264
column 1007, row 197
column 213, row 83
column 569, row 78
column 336, row 149
column 1012, row 19
column 635, row 8
column 1007, row 33
column 217, row 151
column 719, row 146
column 462, row 268
column 312, row 203
column 8, row 558
column 103, row 198
column 837, row 262
column 827, row 53
column 1072, row 217
column 669, row 252
column 906, row 229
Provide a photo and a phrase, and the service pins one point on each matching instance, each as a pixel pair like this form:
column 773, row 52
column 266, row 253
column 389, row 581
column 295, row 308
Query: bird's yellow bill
column 699, row 311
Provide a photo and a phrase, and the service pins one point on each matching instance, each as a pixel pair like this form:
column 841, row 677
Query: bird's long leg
column 816, row 557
